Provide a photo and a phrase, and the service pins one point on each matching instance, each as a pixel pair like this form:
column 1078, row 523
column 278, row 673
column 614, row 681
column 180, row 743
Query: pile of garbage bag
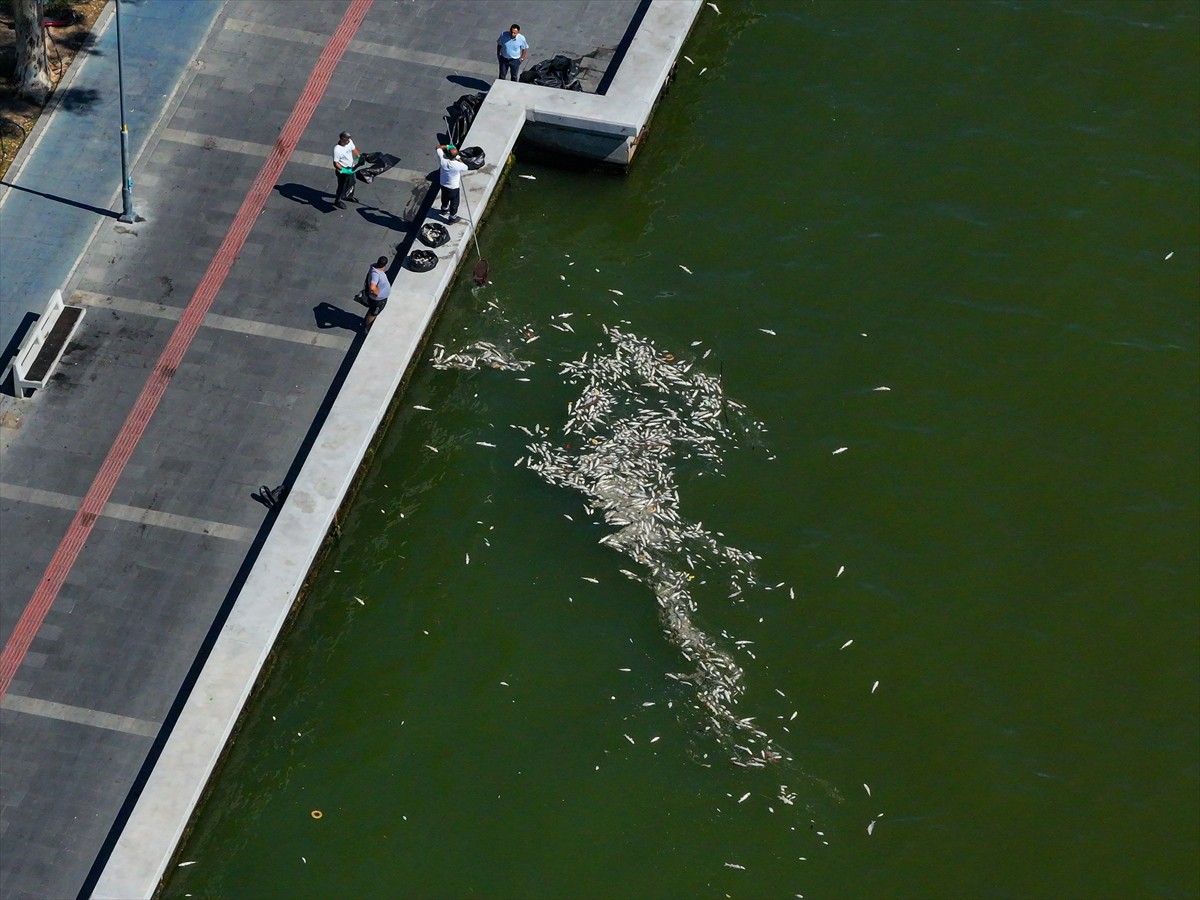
column 472, row 156
column 433, row 235
column 372, row 165
column 462, row 114
column 559, row 72
column 422, row 260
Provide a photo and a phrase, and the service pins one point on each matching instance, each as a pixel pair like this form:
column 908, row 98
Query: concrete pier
column 151, row 621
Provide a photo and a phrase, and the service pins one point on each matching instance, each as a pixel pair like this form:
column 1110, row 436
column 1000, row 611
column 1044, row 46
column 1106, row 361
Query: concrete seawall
column 603, row 128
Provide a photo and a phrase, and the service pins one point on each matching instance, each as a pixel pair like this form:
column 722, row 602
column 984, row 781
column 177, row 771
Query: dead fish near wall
column 639, row 413
column 480, row 354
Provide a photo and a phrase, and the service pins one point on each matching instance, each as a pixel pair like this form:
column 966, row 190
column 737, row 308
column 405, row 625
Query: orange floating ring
column 316, row 814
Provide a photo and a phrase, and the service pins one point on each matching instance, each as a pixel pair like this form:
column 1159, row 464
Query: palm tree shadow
column 78, row 99
column 471, row 84
column 322, row 201
column 376, row 216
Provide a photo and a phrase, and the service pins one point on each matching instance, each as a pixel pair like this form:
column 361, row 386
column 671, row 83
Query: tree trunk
column 33, row 67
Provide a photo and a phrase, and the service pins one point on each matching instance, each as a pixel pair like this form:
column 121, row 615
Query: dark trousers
column 450, row 200
column 345, row 188
column 509, row 67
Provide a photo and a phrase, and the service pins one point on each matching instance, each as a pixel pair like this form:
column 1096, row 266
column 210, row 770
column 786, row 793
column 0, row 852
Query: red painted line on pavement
column 139, row 417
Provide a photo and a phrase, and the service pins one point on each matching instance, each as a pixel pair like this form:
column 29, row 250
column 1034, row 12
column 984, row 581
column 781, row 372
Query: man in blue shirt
column 511, row 48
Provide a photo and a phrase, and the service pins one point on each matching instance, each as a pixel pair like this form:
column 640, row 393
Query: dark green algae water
column 990, row 209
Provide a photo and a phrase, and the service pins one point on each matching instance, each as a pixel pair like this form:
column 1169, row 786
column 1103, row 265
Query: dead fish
column 841, row 569
column 714, row 6
column 615, row 291
column 868, row 787
column 631, row 740
column 530, row 177
column 767, row 331
column 875, row 685
column 589, row 578
column 883, row 387
column 505, row 683
column 190, row 862
column 468, row 559
column 840, row 450
column 702, row 71
column 735, row 866
column 425, row 408
column 484, row 444
column 686, row 269
column 433, row 448
column 360, row 600
column 653, row 739
column 689, row 59
column 744, row 797
column 1169, row 255
column 871, row 827
column 847, row 644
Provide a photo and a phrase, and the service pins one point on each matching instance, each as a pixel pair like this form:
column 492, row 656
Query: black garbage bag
column 472, row 156
column 422, row 260
column 559, row 72
column 433, row 235
column 372, row 165
column 462, row 114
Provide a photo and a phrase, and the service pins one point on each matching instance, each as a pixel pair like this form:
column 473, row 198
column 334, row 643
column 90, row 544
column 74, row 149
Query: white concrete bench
column 43, row 344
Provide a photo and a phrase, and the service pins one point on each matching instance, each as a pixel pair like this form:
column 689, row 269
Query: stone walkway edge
column 198, row 739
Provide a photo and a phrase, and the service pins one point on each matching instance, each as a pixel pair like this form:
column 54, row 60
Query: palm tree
column 33, row 68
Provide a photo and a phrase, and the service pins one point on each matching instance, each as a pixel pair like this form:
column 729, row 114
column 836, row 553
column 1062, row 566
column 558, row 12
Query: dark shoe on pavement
column 340, row 205
column 354, row 200
column 451, row 219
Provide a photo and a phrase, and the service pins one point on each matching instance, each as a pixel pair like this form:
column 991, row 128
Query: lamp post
column 127, row 214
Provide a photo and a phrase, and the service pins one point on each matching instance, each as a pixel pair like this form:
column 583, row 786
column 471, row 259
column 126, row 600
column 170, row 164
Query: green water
column 972, row 204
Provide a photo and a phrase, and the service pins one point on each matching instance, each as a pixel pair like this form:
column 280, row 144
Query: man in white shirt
column 345, row 158
column 450, row 180
column 511, row 48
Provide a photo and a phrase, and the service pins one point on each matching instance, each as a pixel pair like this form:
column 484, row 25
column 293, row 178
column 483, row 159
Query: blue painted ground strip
column 48, row 212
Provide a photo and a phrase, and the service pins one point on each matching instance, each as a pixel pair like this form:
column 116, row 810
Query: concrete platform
column 121, row 702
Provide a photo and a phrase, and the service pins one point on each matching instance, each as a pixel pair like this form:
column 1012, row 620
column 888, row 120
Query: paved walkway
column 107, row 602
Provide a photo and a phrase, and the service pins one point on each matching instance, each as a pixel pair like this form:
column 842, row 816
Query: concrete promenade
column 143, row 587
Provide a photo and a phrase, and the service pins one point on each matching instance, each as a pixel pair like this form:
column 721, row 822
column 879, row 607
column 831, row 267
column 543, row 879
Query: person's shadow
column 322, row 201
column 330, row 316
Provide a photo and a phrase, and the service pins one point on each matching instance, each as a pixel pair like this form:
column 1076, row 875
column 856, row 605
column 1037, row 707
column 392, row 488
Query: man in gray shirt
column 376, row 291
